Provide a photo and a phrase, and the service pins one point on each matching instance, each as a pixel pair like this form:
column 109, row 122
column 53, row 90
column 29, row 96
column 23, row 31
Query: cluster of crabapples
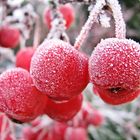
column 54, row 75
column 75, row 129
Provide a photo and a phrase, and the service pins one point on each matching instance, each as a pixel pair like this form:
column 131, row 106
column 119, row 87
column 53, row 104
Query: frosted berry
column 19, row 98
column 67, row 12
column 114, row 69
column 9, row 37
column 59, row 70
column 23, row 57
column 63, row 111
column 76, row 134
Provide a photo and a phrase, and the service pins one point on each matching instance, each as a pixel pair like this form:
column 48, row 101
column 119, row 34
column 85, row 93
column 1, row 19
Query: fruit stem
column 93, row 17
column 58, row 23
column 120, row 27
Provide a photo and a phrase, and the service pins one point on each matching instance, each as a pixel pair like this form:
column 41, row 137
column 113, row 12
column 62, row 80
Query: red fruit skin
column 59, row 70
column 76, row 134
column 9, row 37
column 67, row 12
column 91, row 116
column 95, row 118
column 19, row 98
column 63, row 111
column 23, row 57
column 113, row 98
column 29, row 134
column 114, row 70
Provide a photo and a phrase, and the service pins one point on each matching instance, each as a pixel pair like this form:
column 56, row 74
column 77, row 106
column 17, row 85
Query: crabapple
column 63, row 111
column 90, row 116
column 67, row 12
column 9, row 37
column 95, row 118
column 114, row 69
column 78, row 133
column 59, row 70
column 23, row 57
column 19, row 98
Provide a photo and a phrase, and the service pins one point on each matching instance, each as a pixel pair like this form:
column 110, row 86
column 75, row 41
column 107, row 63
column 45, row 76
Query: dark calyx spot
column 116, row 89
column 16, row 121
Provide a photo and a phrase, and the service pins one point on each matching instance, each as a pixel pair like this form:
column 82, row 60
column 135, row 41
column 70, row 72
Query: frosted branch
column 93, row 17
column 120, row 27
column 58, row 23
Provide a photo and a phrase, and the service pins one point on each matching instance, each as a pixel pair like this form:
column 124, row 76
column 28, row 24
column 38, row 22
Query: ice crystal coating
column 63, row 111
column 23, row 57
column 9, row 37
column 120, row 27
column 59, row 70
column 67, row 12
column 76, row 134
column 93, row 18
column 19, row 98
column 114, row 69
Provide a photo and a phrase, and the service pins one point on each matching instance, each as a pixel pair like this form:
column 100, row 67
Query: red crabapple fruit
column 114, row 69
column 19, row 99
column 91, row 116
column 63, row 111
column 59, row 70
column 23, row 57
column 95, row 118
column 67, row 12
column 9, row 37
column 78, row 133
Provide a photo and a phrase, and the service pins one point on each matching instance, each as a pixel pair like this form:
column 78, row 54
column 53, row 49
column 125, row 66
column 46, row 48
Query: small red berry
column 67, row 12
column 76, row 134
column 114, row 69
column 23, row 57
column 19, row 98
column 63, row 111
column 9, row 37
column 95, row 118
column 59, row 70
